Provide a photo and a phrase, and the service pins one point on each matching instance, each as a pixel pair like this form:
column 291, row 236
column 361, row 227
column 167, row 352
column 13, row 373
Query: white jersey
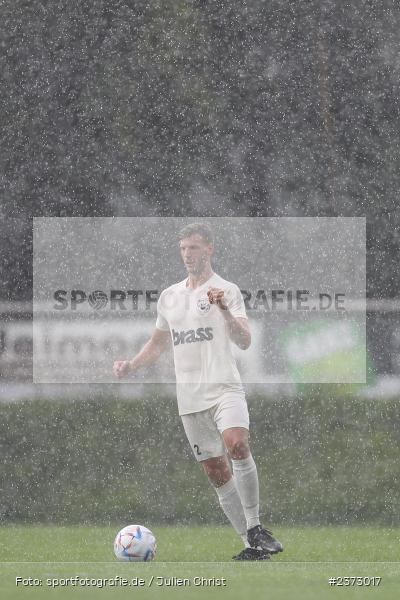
column 204, row 363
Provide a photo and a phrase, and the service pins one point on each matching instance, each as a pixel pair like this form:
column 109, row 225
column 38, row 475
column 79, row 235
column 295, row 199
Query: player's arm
column 148, row 355
column 239, row 330
column 238, row 327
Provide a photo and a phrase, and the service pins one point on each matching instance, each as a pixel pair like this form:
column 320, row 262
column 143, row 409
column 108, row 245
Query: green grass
column 312, row 555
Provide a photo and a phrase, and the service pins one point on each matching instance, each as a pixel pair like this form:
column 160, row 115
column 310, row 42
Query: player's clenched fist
column 216, row 296
column 121, row 368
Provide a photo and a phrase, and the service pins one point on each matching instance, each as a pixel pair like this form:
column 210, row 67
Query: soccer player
column 202, row 315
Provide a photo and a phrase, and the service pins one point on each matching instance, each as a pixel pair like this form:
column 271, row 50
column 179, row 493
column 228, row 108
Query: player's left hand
column 216, row 296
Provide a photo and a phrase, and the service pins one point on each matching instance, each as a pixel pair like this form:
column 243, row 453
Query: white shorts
column 204, row 429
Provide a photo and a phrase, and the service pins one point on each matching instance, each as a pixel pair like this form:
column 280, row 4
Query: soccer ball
column 135, row 543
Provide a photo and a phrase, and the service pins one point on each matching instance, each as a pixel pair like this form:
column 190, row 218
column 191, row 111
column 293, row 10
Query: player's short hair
column 202, row 229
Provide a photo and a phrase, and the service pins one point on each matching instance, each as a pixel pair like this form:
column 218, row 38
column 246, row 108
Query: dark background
column 199, row 108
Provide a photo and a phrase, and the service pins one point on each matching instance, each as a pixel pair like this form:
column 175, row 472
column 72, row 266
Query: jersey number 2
column 196, row 447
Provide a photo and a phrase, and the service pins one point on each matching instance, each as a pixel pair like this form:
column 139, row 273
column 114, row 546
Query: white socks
column 230, row 502
column 246, row 479
column 239, row 497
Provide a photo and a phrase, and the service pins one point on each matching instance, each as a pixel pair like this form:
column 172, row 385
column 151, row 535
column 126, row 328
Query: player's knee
column 238, row 449
column 218, row 474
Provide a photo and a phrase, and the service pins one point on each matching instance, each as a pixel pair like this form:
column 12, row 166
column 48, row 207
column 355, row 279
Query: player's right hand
column 121, row 368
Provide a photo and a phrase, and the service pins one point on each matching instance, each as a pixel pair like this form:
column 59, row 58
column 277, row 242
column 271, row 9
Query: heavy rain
column 199, row 217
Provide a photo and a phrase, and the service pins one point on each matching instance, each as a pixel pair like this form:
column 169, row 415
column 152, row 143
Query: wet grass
column 311, row 556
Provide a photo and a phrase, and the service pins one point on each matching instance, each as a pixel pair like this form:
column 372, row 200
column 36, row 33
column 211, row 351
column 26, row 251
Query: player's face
column 196, row 253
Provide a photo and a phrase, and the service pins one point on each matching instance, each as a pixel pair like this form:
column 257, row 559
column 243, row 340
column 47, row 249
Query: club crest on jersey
column 203, row 305
column 201, row 334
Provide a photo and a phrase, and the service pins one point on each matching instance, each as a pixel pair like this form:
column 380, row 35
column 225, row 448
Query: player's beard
column 197, row 268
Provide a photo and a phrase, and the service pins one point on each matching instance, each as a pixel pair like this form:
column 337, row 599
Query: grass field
column 311, row 556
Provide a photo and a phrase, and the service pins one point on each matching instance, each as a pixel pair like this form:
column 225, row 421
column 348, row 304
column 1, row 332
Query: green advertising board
column 327, row 351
